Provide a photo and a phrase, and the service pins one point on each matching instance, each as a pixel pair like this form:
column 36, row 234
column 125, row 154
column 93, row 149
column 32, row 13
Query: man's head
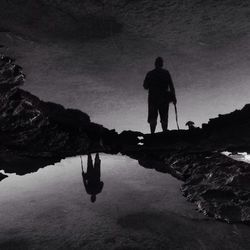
column 93, row 198
column 159, row 62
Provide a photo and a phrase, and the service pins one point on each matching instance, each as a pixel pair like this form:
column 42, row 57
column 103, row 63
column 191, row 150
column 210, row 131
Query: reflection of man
column 161, row 92
column 92, row 179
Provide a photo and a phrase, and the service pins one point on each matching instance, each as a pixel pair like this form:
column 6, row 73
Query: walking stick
column 176, row 116
column 81, row 164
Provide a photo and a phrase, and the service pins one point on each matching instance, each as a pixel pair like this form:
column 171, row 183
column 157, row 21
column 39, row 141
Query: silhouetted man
column 92, row 179
column 161, row 92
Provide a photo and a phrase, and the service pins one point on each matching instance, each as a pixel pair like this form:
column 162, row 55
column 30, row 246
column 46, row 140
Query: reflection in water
column 92, row 178
column 137, row 210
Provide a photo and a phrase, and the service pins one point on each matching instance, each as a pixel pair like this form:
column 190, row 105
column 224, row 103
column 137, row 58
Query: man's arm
column 84, row 177
column 146, row 82
column 172, row 89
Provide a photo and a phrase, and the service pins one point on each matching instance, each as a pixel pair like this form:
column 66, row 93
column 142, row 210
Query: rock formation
column 219, row 185
column 2, row 176
column 30, row 127
column 35, row 133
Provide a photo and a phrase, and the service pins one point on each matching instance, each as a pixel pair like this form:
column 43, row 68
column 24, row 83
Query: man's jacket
column 159, row 84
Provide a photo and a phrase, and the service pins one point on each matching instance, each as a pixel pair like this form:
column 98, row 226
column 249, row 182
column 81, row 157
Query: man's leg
column 97, row 167
column 152, row 116
column 164, row 127
column 152, row 127
column 163, row 110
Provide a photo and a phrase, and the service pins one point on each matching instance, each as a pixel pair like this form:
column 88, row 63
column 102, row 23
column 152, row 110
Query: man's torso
column 158, row 84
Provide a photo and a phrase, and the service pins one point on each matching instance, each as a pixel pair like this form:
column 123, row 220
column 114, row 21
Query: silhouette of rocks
column 2, row 176
column 16, row 162
column 229, row 132
column 30, row 127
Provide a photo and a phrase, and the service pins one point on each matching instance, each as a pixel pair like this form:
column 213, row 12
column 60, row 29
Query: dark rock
column 2, row 176
column 11, row 75
column 218, row 184
column 3, row 30
column 21, row 165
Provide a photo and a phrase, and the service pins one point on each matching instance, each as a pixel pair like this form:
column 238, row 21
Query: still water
column 137, row 209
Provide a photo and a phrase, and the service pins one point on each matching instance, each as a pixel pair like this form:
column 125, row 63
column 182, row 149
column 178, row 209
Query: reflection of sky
column 137, row 208
column 51, row 206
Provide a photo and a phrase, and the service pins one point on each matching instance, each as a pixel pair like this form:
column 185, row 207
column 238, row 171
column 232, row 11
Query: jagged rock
column 10, row 73
column 31, row 125
column 218, row 184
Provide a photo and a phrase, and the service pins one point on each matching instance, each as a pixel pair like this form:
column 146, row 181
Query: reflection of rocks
column 31, row 127
column 19, row 164
column 217, row 184
column 2, row 176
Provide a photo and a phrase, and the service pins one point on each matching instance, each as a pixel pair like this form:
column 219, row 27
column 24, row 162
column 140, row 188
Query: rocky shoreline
column 35, row 134
column 42, row 128
column 218, row 184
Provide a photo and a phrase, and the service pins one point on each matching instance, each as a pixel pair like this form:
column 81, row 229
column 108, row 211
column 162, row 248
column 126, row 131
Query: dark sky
column 93, row 55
